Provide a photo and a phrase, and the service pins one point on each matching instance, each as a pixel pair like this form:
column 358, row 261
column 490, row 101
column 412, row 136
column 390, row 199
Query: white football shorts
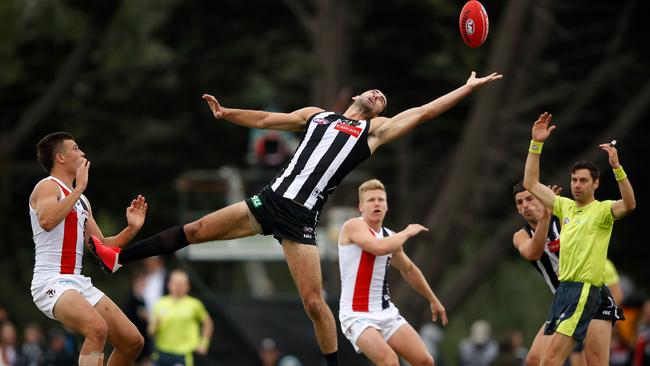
column 46, row 291
column 386, row 321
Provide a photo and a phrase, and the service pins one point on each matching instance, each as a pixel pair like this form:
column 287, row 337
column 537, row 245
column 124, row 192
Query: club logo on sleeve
column 257, row 202
column 50, row 293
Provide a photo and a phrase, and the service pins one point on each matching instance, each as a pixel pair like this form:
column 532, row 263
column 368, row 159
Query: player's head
column 178, row 283
column 59, row 148
column 372, row 200
column 584, row 181
column 371, row 103
column 529, row 207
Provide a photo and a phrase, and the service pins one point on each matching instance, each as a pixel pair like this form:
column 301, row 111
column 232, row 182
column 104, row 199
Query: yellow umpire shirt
column 180, row 324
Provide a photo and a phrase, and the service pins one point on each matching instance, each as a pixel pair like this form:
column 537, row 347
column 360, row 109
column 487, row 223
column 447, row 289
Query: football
column 474, row 24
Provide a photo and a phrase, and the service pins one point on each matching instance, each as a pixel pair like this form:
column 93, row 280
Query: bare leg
column 597, row 342
column 558, row 350
column 539, row 345
column 408, row 344
column 122, row 334
column 230, row 222
column 372, row 344
column 74, row 311
column 304, row 264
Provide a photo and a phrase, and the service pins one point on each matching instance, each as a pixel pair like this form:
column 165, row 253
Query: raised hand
column 437, row 310
column 216, row 109
column 136, row 212
column 475, row 82
column 414, row 229
column 542, row 128
column 81, row 180
column 612, row 153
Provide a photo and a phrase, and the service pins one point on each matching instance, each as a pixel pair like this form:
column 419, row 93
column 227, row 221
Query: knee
column 389, row 359
column 595, row 358
column 96, row 330
column 314, row 306
column 425, row 360
column 134, row 345
column 532, row 359
column 193, row 231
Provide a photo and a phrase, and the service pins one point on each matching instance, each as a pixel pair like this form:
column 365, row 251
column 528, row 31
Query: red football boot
column 107, row 256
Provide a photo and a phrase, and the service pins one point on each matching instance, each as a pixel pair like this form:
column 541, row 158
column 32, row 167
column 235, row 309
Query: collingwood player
column 288, row 208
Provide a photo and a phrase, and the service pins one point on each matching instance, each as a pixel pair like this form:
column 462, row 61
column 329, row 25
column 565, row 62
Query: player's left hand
column 136, row 213
column 475, row 82
column 612, row 153
column 437, row 310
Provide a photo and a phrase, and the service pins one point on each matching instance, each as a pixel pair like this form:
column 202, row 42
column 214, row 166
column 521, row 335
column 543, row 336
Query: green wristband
column 535, row 147
column 619, row 173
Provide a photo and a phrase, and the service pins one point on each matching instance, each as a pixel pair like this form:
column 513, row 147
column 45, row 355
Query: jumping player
column 289, row 207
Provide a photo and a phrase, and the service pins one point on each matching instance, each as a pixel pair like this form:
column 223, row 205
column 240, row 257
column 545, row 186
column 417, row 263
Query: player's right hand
column 216, row 109
column 414, row 229
column 81, row 181
column 542, row 128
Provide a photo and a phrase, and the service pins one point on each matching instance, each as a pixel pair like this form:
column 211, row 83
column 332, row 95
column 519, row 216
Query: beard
column 365, row 109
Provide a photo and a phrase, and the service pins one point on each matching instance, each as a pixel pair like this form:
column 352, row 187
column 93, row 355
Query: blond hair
column 370, row 185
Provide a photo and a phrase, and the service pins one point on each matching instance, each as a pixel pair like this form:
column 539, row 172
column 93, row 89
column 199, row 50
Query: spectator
column 511, row 350
column 136, row 310
column 642, row 346
column 32, row 352
column 154, row 283
column 57, row 354
column 270, row 355
column 479, row 349
column 8, row 344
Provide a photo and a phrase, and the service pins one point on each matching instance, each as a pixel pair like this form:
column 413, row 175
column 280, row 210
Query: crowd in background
column 30, row 345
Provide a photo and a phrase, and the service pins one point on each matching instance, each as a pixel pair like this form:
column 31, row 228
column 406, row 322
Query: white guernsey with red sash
column 364, row 277
column 60, row 250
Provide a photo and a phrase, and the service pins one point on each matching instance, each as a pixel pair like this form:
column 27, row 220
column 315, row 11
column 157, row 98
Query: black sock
column 332, row 358
column 165, row 242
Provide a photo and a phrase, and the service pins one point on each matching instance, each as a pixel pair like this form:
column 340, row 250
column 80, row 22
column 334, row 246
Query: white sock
column 92, row 359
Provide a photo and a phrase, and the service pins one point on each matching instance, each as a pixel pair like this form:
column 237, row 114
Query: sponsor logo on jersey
column 50, row 293
column 348, row 129
column 554, row 246
column 65, row 282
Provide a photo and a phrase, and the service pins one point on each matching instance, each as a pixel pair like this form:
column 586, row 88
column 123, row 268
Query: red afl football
column 474, row 24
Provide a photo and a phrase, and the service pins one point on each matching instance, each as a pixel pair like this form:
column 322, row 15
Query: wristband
column 619, row 174
column 535, row 147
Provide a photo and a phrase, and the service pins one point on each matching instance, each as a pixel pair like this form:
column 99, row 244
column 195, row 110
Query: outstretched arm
column 627, row 203
column 294, row 121
column 358, row 232
column 413, row 276
column 541, row 131
column 135, row 215
column 405, row 121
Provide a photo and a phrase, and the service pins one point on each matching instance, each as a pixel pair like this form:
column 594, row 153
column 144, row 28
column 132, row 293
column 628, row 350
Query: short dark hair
column 49, row 146
column 593, row 169
column 518, row 188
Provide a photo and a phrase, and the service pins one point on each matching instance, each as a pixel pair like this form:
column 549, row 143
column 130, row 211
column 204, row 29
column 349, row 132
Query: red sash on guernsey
column 361, row 295
column 69, row 248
